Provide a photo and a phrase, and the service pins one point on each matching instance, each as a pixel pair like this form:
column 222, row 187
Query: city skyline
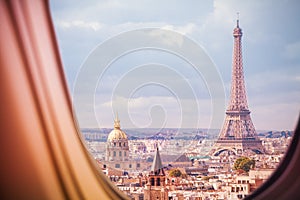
column 271, row 48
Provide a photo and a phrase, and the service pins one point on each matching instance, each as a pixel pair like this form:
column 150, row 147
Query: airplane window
column 142, row 83
column 193, row 126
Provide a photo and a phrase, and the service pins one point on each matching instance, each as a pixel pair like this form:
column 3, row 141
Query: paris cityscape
column 150, row 100
column 148, row 118
column 229, row 163
column 201, row 176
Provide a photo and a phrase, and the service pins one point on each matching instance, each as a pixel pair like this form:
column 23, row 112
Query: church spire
column 156, row 186
column 157, row 167
column 117, row 122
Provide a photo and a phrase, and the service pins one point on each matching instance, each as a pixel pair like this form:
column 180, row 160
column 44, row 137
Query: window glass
column 157, row 87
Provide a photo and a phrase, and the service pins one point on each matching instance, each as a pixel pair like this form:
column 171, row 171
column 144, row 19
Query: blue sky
column 174, row 95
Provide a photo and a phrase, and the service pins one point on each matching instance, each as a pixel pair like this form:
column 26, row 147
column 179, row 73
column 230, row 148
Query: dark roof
column 157, row 164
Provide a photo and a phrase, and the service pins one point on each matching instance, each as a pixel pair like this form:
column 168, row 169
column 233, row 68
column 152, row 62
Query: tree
column 206, row 178
column 244, row 163
column 175, row 173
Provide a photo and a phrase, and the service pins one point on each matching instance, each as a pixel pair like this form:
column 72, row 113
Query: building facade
column 156, row 186
column 117, row 148
column 118, row 153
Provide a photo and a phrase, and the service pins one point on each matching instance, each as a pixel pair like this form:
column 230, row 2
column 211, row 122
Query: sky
column 168, row 63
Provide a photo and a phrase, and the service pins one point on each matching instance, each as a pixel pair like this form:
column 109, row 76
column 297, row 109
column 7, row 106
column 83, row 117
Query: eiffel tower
column 238, row 135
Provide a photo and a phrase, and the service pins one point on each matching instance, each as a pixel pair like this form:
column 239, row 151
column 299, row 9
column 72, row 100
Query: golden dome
column 117, row 133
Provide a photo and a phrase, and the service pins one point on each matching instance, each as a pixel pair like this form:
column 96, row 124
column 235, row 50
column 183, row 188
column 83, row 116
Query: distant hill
column 171, row 133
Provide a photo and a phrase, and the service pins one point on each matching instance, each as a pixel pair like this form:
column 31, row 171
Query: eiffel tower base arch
column 237, row 147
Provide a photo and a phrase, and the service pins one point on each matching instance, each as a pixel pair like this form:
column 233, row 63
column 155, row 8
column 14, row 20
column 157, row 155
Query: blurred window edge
column 284, row 183
column 42, row 153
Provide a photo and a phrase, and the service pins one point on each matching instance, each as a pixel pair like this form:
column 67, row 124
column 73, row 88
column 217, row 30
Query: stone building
column 156, row 186
column 117, row 151
column 117, row 148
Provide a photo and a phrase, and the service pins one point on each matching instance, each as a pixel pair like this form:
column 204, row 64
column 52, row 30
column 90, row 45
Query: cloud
column 282, row 82
column 271, row 46
column 188, row 28
column 80, row 24
column 144, row 111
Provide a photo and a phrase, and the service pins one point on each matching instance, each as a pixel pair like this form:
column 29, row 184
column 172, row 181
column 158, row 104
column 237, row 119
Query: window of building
column 120, row 153
column 130, row 166
column 138, row 165
column 125, row 153
column 120, row 144
column 115, row 154
column 117, row 165
column 152, row 181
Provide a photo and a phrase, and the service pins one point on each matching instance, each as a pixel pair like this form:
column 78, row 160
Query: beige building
column 117, row 151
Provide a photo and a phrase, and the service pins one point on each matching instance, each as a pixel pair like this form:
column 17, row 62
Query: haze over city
column 271, row 49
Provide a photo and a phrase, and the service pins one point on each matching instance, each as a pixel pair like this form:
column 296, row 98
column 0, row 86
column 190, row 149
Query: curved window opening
column 55, row 163
column 262, row 150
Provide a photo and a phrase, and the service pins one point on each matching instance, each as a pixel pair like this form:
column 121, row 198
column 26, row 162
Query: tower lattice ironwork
column 238, row 134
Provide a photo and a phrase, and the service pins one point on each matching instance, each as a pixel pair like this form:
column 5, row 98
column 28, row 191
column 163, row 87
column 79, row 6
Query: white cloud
column 188, row 28
column 152, row 111
column 270, row 41
column 95, row 26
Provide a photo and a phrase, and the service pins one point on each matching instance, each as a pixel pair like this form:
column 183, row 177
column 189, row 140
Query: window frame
column 44, row 135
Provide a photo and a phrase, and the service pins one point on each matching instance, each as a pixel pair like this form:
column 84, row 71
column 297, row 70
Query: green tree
column 244, row 163
column 175, row 173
